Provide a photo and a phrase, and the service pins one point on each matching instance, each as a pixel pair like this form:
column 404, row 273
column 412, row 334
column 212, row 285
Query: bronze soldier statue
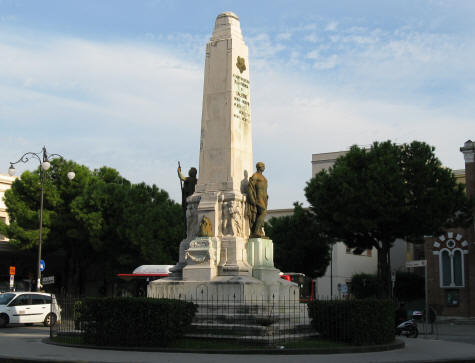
column 188, row 187
column 257, row 202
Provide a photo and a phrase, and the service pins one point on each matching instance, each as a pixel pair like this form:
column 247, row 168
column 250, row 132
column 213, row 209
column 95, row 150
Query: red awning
column 130, row 276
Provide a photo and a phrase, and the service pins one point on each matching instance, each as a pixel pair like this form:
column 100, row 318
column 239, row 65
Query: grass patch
column 69, row 339
column 208, row 344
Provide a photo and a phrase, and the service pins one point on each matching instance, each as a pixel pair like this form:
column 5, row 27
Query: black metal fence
column 253, row 321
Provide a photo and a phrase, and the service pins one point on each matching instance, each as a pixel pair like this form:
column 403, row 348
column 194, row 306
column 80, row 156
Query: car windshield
column 6, row 298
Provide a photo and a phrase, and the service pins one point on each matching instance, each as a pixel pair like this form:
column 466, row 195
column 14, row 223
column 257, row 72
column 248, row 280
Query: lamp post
column 44, row 159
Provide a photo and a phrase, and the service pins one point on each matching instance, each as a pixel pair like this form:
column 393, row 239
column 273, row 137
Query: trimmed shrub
column 132, row 321
column 364, row 286
column 357, row 322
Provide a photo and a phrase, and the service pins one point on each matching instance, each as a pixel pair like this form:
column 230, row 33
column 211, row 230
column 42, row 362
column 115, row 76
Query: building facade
column 10, row 256
column 451, row 257
column 5, row 184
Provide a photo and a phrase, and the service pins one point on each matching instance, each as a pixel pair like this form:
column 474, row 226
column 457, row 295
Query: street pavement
column 455, row 332
column 26, row 344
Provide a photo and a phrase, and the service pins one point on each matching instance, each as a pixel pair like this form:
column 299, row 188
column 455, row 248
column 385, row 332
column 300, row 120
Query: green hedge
column 132, row 321
column 364, row 286
column 357, row 322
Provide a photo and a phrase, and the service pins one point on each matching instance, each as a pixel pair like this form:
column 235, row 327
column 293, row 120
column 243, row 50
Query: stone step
column 251, row 308
column 257, row 339
column 248, row 329
column 251, row 319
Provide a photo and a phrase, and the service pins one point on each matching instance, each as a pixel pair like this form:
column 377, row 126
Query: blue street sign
column 42, row 265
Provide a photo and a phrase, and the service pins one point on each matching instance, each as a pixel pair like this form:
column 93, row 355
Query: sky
column 119, row 83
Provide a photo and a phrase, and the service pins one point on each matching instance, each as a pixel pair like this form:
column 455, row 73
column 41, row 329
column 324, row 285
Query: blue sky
column 119, row 83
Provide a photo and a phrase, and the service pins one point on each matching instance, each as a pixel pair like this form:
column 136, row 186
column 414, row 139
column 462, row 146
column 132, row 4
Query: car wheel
column 4, row 320
column 50, row 320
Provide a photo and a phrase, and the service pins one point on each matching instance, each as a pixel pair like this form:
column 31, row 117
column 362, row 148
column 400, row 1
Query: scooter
column 408, row 329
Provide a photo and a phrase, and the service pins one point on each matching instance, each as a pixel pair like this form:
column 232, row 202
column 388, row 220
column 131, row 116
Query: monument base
column 199, row 279
column 241, row 289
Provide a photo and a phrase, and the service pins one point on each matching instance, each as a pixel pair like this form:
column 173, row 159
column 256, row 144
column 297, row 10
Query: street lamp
column 44, row 159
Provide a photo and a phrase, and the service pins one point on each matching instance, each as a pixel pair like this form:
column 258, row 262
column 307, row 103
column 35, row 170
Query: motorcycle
column 408, row 329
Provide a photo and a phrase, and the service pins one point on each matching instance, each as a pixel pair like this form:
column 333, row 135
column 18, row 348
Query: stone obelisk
column 214, row 254
column 226, row 142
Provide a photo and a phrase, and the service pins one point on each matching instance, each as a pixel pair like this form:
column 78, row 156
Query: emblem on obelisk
column 241, row 64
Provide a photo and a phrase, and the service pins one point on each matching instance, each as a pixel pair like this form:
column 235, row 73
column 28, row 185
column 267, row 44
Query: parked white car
column 28, row 308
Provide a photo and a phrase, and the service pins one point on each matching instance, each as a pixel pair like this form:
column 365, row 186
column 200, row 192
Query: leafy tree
column 61, row 232
column 299, row 244
column 409, row 286
column 154, row 223
column 365, row 286
column 98, row 219
column 371, row 197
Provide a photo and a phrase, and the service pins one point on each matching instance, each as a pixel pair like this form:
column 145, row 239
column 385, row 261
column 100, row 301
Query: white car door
column 19, row 309
column 39, row 308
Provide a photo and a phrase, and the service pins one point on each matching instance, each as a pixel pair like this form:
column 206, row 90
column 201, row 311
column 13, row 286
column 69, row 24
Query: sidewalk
column 22, row 347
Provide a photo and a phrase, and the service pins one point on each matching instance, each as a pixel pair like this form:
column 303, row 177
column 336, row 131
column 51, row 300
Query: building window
column 451, row 268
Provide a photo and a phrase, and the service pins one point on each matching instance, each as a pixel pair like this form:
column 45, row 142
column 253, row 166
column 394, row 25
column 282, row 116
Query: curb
column 397, row 344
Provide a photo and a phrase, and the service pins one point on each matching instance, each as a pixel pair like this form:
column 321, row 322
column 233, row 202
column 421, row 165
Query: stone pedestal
column 201, row 259
column 260, row 254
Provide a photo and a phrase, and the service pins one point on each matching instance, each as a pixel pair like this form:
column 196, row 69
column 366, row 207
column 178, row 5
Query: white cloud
column 284, row 36
column 312, row 37
column 115, row 104
column 327, row 63
column 137, row 106
column 261, row 46
column 314, row 54
column 332, row 26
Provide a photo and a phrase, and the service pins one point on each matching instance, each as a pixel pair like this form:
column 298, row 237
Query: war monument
column 225, row 252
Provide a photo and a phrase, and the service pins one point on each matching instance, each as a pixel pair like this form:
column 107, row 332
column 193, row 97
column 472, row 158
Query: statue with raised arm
column 257, row 202
column 187, row 186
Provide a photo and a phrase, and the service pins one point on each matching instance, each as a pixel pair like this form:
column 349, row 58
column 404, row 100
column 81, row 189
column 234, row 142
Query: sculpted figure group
column 256, row 208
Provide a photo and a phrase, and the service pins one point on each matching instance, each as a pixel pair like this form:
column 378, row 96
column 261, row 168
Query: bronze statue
column 187, row 186
column 206, row 228
column 257, row 202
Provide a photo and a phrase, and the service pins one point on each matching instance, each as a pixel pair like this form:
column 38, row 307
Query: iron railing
column 253, row 321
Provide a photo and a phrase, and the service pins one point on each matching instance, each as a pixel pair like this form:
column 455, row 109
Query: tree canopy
column 371, row 197
column 299, row 244
column 99, row 218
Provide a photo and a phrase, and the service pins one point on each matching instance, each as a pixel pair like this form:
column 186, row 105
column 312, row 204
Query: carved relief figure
column 232, row 218
column 191, row 219
column 187, row 187
column 236, row 218
column 257, row 199
column 226, row 228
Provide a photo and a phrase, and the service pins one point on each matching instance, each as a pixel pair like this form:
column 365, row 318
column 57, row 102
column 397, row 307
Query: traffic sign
column 42, row 265
column 416, row 263
column 344, row 289
column 48, row 280
column 12, row 281
column 12, row 270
